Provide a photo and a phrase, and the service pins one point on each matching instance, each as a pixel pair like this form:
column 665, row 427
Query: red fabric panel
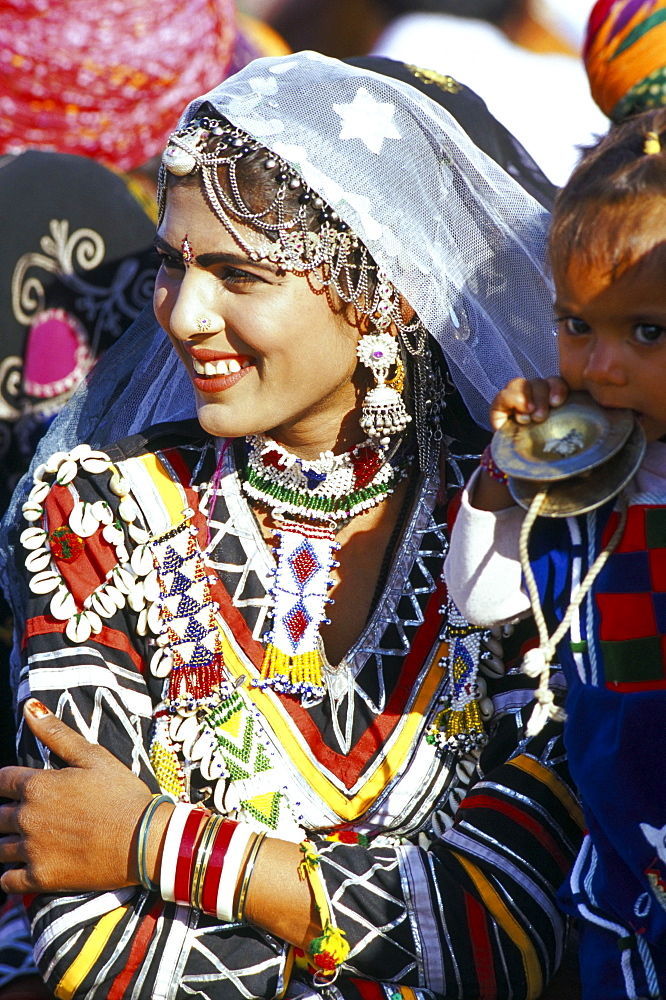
column 111, row 637
column 633, row 539
column 480, row 938
column 368, row 989
column 626, row 616
column 657, row 559
column 85, row 573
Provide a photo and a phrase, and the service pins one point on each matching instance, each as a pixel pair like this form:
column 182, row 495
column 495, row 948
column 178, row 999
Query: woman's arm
column 482, row 898
column 121, row 937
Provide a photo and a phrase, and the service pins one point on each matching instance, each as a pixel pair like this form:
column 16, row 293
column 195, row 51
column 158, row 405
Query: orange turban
column 107, row 78
column 625, row 55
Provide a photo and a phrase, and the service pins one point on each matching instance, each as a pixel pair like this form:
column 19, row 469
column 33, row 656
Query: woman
column 322, row 232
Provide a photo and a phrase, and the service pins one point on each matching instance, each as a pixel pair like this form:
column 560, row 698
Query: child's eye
column 649, row 333
column 572, row 325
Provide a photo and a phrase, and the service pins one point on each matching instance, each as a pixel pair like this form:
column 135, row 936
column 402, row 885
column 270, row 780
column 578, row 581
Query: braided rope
column 536, row 662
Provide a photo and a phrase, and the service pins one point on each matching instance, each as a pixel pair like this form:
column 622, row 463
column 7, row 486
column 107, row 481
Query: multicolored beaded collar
column 331, row 488
column 327, row 492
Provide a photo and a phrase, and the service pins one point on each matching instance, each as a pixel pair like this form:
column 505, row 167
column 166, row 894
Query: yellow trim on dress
column 500, row 912
column 550, row 779
column 89, row 954
column 170, row 492
column 348, row 809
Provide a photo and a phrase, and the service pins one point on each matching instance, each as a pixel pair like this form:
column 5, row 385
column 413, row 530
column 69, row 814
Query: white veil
column 458, row 237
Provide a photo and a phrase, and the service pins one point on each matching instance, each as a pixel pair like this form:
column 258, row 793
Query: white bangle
column 172, row 841
column 231, row 871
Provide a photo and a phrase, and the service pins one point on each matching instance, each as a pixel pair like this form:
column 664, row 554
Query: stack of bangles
column 207, row 863
column 204, row 859
column 493, row 470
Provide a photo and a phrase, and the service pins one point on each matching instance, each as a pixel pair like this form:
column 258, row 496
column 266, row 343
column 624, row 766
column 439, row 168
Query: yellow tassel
column 473, row 718
column 466, row 720
column 329, row 949
column 302, row 669
column 652, row 144
column 310, row 861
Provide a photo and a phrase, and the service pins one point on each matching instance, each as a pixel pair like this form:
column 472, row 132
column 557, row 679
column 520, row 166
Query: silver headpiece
column 301, row 232
column 458, row 238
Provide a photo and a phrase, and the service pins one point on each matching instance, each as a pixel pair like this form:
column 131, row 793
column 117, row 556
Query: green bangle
column 142, row 840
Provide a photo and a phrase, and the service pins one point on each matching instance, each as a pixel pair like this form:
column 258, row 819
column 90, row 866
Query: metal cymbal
column 592, row 488
column 575, row 437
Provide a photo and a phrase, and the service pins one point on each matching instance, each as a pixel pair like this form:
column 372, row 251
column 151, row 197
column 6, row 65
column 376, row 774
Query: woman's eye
column 170, row 263
column 574, row 326
column 649, row 333
column 236, row 276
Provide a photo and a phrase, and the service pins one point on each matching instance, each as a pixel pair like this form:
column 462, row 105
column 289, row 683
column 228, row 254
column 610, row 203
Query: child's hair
column 616, row 176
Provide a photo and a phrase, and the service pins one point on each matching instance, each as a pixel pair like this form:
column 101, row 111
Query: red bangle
column 493, row 470
column 186, row 855
column 215, row 865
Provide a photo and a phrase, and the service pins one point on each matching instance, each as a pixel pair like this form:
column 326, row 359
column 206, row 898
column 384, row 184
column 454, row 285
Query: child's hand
column 526, row 400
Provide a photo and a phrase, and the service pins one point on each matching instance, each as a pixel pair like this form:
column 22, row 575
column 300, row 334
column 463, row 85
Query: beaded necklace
column 325, row 493
column 329, row 488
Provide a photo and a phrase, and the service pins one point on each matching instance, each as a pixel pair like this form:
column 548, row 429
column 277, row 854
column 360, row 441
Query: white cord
column 536, row 662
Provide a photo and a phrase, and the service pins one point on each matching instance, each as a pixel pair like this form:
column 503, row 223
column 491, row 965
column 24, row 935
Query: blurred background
column 523, row 57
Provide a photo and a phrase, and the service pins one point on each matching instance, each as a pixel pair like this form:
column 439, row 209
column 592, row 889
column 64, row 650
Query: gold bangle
column 247, row 875
column 203, row 857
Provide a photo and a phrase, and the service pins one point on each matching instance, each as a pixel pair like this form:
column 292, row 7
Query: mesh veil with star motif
column 458, row 237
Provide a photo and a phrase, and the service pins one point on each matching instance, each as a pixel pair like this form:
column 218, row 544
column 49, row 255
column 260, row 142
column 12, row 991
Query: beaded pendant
column 292, row 664
column 327, row 492
column 193, row 653
column 459, row 727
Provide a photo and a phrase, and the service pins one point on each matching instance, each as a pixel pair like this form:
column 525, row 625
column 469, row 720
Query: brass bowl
column 590, row 489
column 575, row 437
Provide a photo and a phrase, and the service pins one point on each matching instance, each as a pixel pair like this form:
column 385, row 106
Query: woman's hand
column 526, row 400
column 71, row 829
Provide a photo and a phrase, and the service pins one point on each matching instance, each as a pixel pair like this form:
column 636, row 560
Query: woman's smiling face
column 264, row 351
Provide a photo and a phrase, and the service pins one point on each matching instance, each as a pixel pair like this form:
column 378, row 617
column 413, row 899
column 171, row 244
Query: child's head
column 608, row 252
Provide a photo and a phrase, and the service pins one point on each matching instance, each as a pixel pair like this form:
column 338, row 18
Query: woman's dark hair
column 619, row 172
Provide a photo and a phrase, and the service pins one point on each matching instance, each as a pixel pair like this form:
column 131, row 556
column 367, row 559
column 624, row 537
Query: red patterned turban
column 106, row 78
column 625, row 55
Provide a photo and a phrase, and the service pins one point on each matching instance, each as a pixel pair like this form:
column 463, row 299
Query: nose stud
column 203, row 324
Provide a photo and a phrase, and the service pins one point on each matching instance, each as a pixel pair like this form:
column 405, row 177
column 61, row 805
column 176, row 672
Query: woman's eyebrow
column 207, row 259
column 234, row 260
column 161, row 244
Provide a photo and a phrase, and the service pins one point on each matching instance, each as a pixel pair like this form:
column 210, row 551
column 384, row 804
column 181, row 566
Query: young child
column 608, row 250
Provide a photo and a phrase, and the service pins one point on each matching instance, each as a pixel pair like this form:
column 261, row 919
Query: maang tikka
column 384, row 412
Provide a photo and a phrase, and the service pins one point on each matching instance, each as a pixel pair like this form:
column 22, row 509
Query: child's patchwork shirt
column 614, row 661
